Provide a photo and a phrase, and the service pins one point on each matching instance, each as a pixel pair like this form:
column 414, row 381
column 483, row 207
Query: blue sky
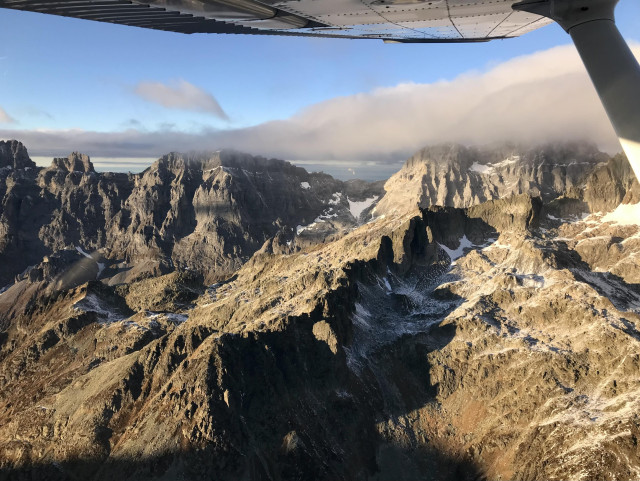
column 58, row 74
column 53, row 65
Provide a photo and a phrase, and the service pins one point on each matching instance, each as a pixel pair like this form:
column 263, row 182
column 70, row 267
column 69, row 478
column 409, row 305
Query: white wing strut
column 613, row 69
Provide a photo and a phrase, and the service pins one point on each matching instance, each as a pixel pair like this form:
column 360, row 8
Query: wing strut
column 613, row 69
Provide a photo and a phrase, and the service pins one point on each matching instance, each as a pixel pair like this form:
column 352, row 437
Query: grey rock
column 456, row 176
column 608, row 184
column 14, row 155
column 207, row 212
column 76, row 162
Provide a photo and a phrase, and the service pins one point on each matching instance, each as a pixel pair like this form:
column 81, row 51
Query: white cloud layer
column 539, row 97
column 180, row 94
column 5, row 118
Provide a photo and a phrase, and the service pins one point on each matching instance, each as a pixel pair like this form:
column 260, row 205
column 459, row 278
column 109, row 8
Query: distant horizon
column 341, row 170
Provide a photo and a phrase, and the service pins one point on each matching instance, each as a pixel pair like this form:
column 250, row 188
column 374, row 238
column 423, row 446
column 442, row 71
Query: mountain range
column 225, row 316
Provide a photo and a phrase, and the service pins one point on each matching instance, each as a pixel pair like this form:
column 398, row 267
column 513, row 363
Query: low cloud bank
column 539, row 97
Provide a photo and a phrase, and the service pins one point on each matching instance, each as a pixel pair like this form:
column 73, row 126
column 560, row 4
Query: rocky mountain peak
column 208, row 161
column 204, row 211
column 13, row 154
column 76, row 162
column 457, row 176
column 443, row 155
column 609, row 184
column 234, row 158
column 497, row 155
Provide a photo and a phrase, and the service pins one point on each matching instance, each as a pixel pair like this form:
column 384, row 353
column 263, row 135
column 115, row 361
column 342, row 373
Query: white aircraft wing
column 419, row 21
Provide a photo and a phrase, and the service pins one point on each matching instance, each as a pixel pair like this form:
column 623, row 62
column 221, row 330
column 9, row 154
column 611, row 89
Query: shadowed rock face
column 454, row 344
column 76, row 162
column 14, row 155
column 206, row 212
column 218, row 383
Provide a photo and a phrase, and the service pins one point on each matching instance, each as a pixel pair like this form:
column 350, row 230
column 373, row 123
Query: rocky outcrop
column 14, row 155
column 452, row 226
column 456, row 176
column 76, row 162
column 218, row 389
column 207, row 212
column 608, row 184
column 19, row 198
column 169, row 293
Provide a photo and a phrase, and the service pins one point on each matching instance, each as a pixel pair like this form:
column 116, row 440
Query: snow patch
column 176, row 318
column 356, row 208
column 459, row 252
column 321, row 218
column 101, row 266
column 511, row 160
column 625, row 214
column 92, row 303
column 169, row 316
column 305, row 185
column 487, row 169
column 336, row 198
column 480, row 168
column 301, row 228
column 79, row 249
column 362, row 316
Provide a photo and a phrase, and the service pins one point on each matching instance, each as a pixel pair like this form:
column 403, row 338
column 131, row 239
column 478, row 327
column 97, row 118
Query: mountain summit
column 207, row 212
column 458, row 176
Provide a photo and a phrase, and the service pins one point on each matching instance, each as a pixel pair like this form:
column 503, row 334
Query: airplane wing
column 405, row 21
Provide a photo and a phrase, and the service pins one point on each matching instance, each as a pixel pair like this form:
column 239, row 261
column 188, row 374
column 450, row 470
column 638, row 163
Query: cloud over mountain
column 543, row 96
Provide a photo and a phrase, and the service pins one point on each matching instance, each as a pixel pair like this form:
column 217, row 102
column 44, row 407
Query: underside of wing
column 391, row 20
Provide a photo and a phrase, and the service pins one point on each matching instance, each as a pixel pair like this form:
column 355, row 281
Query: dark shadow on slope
column 425, row 464
column 279, row 405
column 449, row 225
column 293, row 410
column 623, row 295
column 284, row 404
column 396, row 327
column 396, row 464
column 629, row 329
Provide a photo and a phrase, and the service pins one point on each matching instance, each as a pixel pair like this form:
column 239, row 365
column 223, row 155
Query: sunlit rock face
column 458, row 176
column 494, row 341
